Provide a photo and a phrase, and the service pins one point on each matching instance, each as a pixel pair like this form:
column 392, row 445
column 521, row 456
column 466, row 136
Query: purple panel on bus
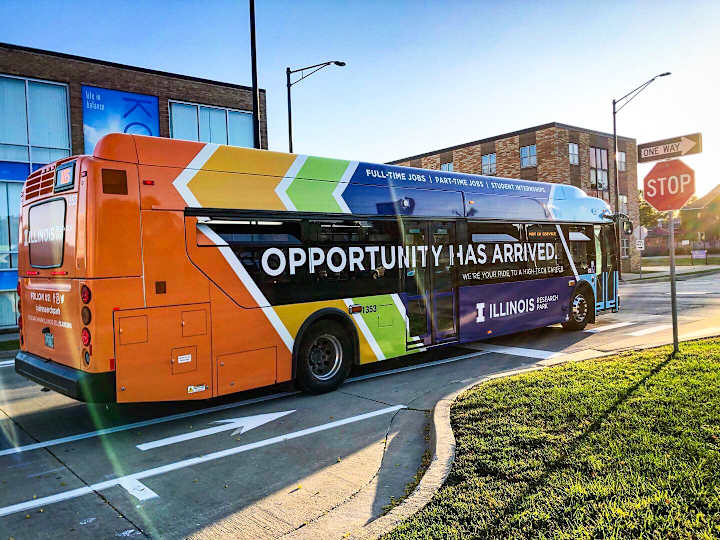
column 505, row 308
column 390, row 175
column 382, row 200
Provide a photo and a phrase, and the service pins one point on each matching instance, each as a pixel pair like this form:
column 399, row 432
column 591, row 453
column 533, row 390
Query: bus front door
column 428, row 285
column 605, row 268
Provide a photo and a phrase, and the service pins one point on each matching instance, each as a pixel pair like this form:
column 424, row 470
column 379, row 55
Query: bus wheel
column 579, row 311
column 324, row 357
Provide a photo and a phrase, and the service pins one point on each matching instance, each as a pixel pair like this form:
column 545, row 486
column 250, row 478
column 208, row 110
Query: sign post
column 667, row 187
column 673, row 289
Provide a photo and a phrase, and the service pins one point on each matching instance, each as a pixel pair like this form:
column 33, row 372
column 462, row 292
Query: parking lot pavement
column 273, row 462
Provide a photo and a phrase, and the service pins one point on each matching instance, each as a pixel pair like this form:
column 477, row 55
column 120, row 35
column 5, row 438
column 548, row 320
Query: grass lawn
column 680, row 260
column 627, row 446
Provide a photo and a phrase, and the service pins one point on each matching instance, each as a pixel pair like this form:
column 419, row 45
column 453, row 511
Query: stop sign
column 669, row 185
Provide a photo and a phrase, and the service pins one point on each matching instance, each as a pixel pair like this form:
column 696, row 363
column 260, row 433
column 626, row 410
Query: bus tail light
column 112, row 364
column 86, row 357
column 85, row 337
column 355, row 309
column 85, row 294
column 86, row 315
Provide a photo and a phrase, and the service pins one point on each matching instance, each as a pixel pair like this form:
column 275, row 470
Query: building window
column 34, row 124
column 573, row 154
column 624, row 248
column 623, row 204
column 489, row 163
column 448, row 167
column 193, row 122
column 598, row 169
column 9, row 219
column 528, row 156
column 621, row 161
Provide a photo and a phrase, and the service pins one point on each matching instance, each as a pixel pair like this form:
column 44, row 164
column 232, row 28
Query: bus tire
column 580, row 306
column 324, row 357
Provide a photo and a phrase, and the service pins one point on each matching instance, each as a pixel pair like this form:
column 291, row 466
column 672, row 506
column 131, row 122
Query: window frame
column 595, row 150
column 28, row 120
column 491, row 164
column 444, row 168
column 197, row 119
column 531, row 157
column 575, row 154
column 622, row 163
column 624, row 248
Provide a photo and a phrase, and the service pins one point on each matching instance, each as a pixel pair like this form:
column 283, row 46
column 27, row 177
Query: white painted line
column 74, row 493
column 7, row 363
column 210, row 410
column 689, row 293
column 515, row 351
column 240, row 425
column 701, row 333
column 418, row 366
column 137, row 489
column 609, row 327
column 142, row 423
column 651, row 330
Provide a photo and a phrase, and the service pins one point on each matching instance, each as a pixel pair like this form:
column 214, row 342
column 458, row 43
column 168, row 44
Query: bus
column 162, row 270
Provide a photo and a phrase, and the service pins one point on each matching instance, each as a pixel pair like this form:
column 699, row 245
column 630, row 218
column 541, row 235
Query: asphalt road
column 274, row 462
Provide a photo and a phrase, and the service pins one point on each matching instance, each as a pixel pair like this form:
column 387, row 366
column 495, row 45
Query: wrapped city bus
column 159, row 270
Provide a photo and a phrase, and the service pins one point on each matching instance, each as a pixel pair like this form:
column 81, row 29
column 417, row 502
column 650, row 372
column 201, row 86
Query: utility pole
column 255, row 90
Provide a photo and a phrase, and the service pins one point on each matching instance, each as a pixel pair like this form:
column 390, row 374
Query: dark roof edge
column 505, row 136
column 124, row 66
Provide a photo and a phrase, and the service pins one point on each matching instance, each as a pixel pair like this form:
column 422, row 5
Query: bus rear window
column 46, row 234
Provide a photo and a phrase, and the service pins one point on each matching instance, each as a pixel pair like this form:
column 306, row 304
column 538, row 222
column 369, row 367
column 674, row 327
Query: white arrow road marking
column 240, row 425
column 7, row 363
column 142, row 423
column 74, row 493
column 137, row 489
column 686, row 145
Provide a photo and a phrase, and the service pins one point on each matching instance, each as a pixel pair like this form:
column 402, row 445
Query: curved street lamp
column 627, row 98
column 288, row 72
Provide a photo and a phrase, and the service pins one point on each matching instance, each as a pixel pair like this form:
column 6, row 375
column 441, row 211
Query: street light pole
column 615, row 102
column 255, row 90
column 289, row 84
column 288, row 72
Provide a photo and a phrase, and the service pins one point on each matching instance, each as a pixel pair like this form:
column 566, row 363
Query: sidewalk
column 652, row 272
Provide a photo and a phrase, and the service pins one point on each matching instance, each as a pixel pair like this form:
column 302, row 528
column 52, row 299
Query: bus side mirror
column 627, row 226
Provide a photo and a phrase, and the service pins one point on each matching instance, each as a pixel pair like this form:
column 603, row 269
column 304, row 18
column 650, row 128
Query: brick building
column 555, row 153
column 54, row 105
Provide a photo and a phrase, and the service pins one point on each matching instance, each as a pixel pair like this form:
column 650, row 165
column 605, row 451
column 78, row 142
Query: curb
column 678, row 277
column 443, row 443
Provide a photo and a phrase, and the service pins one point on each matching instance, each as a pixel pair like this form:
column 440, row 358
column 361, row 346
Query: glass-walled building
column 53, row 105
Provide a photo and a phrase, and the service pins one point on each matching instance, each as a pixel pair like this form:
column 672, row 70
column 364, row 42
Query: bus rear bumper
column 74, row 383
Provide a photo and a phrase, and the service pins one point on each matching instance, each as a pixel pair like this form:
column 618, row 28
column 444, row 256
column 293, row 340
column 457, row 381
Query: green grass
column 11, row 345
column 680, row 260
column 622, row 447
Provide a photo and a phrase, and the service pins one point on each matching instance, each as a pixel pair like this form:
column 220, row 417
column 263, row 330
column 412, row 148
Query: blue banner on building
column 111, row 111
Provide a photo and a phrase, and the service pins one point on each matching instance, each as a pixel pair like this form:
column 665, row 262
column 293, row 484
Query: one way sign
column 670, row 148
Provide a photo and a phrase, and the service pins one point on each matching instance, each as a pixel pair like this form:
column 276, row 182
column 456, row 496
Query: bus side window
column 544, row 266
column 582, row 247
column 497, row 268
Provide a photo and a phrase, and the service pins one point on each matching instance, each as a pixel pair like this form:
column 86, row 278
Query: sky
column 420, row 75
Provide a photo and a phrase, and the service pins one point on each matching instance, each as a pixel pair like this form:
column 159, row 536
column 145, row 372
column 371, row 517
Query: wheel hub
column 579, row 308
column 325, row 357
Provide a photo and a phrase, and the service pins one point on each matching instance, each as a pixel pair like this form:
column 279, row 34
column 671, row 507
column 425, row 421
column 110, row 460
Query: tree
column 648, row 215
